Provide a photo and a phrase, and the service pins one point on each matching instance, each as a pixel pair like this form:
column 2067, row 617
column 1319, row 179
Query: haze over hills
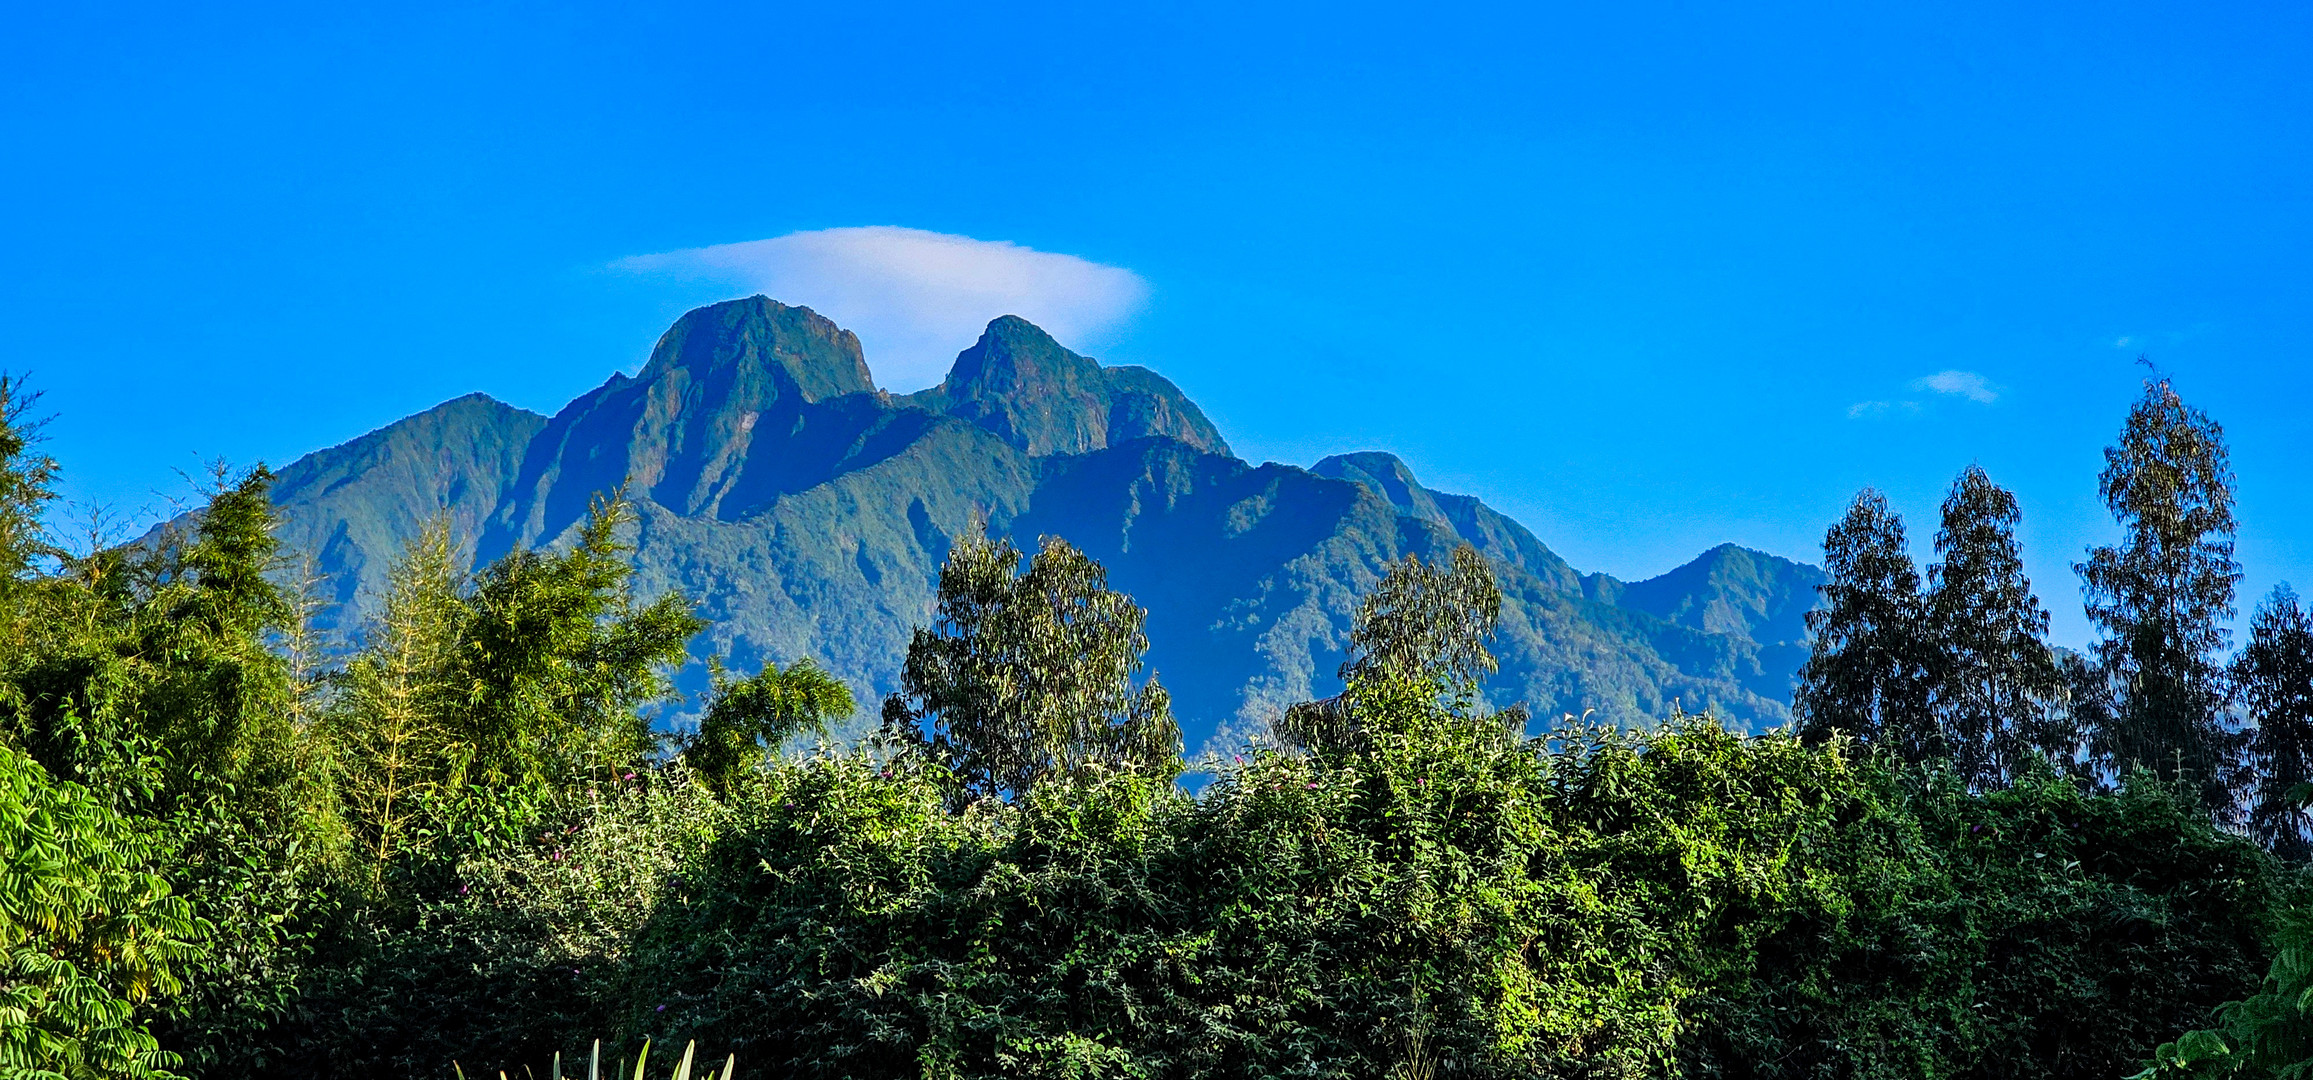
column 809, row 513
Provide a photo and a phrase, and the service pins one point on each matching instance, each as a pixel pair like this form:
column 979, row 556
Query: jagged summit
column 679, row 432
column 1043, row 398
column 760, row 348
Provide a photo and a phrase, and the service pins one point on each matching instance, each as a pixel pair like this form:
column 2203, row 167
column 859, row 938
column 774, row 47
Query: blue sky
column 1647, row 277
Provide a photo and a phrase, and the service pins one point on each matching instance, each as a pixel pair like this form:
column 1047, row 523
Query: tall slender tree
column 1992, row 676
column 2161, row 595
column 2273, row 683
column 27, row 484
column 1867, row 675
column 391, row 724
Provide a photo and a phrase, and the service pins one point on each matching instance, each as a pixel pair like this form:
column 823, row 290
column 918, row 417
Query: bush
column 87, row 933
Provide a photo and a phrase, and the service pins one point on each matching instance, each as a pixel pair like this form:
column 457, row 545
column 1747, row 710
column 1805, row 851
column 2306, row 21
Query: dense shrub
column 87, row 932
column 1450, row 900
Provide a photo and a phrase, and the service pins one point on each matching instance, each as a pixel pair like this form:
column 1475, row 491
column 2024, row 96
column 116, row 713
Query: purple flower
column 662, row 1008
column 461, row 890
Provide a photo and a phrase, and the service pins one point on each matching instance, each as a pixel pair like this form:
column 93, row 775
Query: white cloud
column 1873, row 410
column 917, row 298
column 1966, row 384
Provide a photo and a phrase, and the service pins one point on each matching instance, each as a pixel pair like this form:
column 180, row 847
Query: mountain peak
column 1038, row 395
column 1389, row 477
column 1732, row 589
column 737, row 344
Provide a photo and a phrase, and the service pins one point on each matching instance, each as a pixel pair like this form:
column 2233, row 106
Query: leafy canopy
column 1027, row 676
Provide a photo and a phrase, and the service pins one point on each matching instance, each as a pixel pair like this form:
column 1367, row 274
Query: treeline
column 1960, row 672
column 462, row 841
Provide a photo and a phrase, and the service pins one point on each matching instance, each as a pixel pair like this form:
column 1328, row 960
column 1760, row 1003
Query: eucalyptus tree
column 1992, row 678
column 2160, row 597
column 2273, row 684
column 1027, row 676
column 1868, row 672
column 1424, row 624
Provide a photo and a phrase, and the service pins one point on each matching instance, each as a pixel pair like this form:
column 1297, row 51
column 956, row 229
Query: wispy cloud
column 1869, row 410
column 916, row 298
column 1965, row 384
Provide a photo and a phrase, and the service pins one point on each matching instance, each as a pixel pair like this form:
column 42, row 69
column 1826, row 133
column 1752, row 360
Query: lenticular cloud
column 916, row 298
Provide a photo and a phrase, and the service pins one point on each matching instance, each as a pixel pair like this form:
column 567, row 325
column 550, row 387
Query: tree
column 1992, row 675
column 27, row 485
column 392, row 725
column 558, row 657
column 1028, row 677
column 2273, row 682
column 1867, row 674
column 2160, row 596
column 747, row 718
column 1425, row 624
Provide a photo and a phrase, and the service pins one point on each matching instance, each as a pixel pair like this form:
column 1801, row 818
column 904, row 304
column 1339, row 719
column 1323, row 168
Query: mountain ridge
column 808, row 512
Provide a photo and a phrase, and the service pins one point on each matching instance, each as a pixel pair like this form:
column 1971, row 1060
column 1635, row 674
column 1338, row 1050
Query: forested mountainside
column 810, row 512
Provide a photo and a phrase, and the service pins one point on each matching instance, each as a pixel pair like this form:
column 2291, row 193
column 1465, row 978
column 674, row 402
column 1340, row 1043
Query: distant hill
column 809, row 513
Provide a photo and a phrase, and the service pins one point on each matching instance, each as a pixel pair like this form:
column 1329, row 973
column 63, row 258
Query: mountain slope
column 351, row 507
column 809, row 513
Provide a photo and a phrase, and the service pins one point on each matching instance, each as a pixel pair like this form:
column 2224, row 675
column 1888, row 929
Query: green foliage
column 87, row 932
column 1683, row 902
column 508, row 957
column 2273, row 681
column 152, row 675
column 392, row 726
column 1868, row 674
column 27, row 485
column 642, row 1060
column 1423, row 624
column 557, row 658
column 1993, row 680
column 748, row 718
column 2161, row 596
column 2268, row 1036
column 1027, row 676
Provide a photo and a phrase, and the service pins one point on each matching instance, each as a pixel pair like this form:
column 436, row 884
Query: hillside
column 809, row 512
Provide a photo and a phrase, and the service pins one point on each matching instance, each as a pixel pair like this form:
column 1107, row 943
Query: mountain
column 808, row 512
column 351, row 507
